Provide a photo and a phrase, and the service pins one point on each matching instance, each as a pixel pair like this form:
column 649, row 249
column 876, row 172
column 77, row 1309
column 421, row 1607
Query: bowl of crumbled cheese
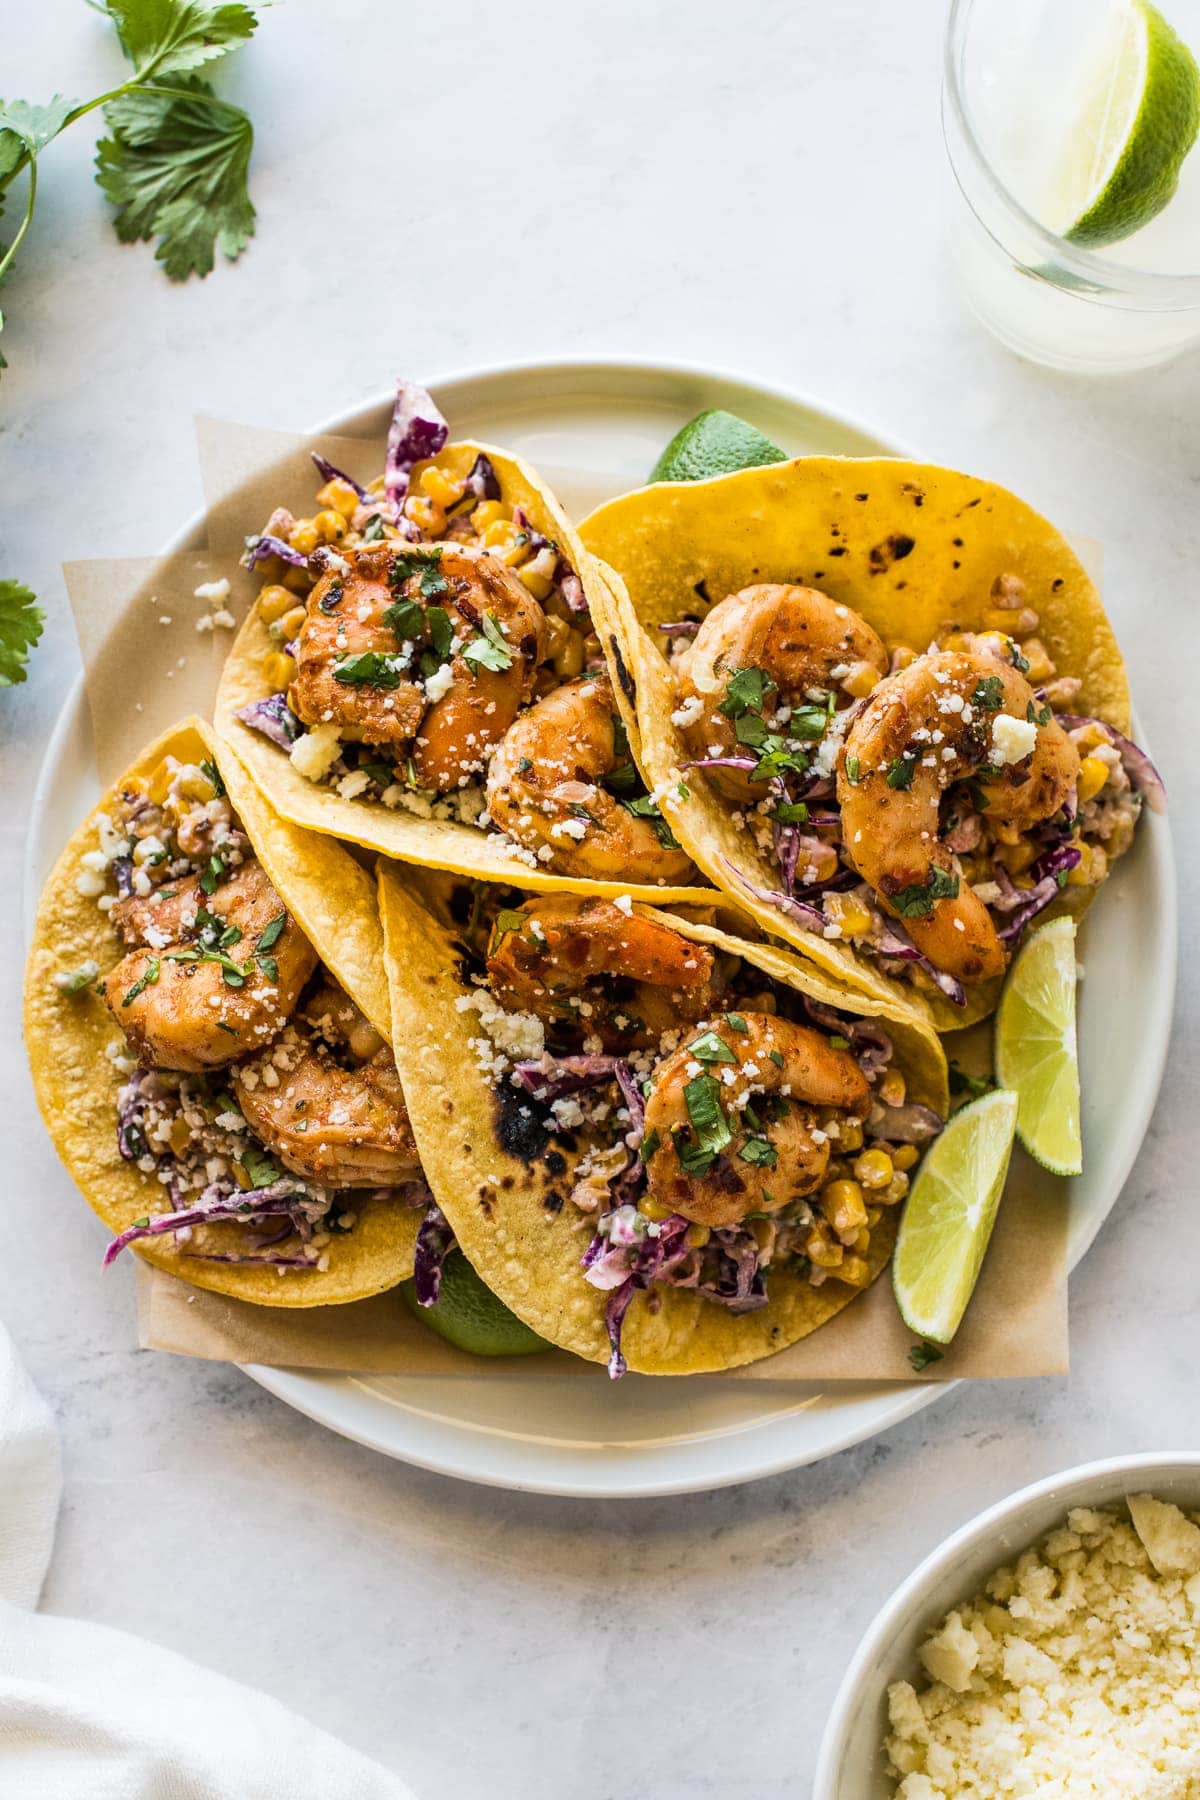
column 1049, row 1648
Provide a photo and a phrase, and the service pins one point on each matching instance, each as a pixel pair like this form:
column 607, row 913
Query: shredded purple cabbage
column 330, row 472
column 680, row 628
column 809, row 917
column 435, row 1241
column 1137, row 765
column 908, row 1124
column 417, row 430
column 121, row 868
column 553, row 1077
column 260, row 547
column 131, row 1114
column 273, row 718
column 219, row 1201
column 872, row 1047
column 745, row 763
column 896, row 942
column 1024, row 904
column 571, row 589
column 537, row 540
column 483, row 482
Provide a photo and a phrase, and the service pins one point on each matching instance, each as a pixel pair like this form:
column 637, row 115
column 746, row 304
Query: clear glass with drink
column 1074, row 215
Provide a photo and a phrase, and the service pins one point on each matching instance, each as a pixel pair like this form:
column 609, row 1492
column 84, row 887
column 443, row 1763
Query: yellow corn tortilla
column 433, row 843
column 332, row 898
column 510, row 1212
column 911, row 547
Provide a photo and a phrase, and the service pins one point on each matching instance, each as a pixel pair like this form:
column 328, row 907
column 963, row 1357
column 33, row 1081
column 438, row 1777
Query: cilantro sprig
column 21, row 621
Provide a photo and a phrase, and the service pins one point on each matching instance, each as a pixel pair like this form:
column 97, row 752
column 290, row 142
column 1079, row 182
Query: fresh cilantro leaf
column 901, row 769
column 372, row 531
column 736, row 1022
column 709, row 1048
column 624, row 779
column 921, row 1355
column 702, row 1097
column 169, row 37
column 440, row 626
column 751, row 729
column 746, row 693
column 839, row 1043
column 917, row 901
column 147, row 978
column 370, row 668
column 790, row 812
column 270, row 934
column 212, row 874
column 175, row 168
column 261, row 1170
column 1037, row 715
column 25, row 130
column 21, row 621
column 492, row 650
column 648, row 808
column 509, row 919
column 77, row 979
column 989, row 694
column 268, row 968
column 776, row 759
column 811, row 722
column 758, row 1151
column 405, row 618
column 649, row 1144
column 776, row 1057
column 209, row 768
column 853, row 771
column 1019, row 662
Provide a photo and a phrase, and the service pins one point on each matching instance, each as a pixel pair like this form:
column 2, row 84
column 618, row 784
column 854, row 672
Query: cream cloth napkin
column 85, row 1710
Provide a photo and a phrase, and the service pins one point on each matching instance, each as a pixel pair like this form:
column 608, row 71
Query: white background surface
column 756, row 186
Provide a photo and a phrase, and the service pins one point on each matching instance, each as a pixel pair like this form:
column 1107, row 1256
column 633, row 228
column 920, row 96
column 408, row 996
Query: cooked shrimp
column 546, row 790
column 342, row 1127
column 801, row 1077
column 925, row 728
column 805, row 645
column 197, row 994
column 623, row 978
column 360, row 652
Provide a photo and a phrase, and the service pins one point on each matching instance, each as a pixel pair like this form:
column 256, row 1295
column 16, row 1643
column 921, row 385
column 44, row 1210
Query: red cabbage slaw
column 417, row 430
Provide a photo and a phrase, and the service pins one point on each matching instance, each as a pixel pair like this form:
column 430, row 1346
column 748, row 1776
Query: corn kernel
column 273, row 602
column 540, row 586
column 697, row 1236
column 241, row 1176
column 849, row 913
column 1018, row 857
column 851, row 1138
column 500, row 535
column 956, row 640
column 903, row 657
column 279, row 670
column 304, row 536
column 822, row 1249
column 1038, row 657
column 195, row 785
column 1093, row 773
column 1016, row 624
column 299, row 581
column 874, row 1214
column 1091, row 868
column 894, row 1192
column 892, row 1088
column 180, row 1134
column 905, row 1157
column 331, row 525
column 442, row 489
column 377, row 485
column 654, row 1209
column 161, row 779
column 763, row 1233
column 874, row 1169
column 855, row 1272
column 285, row 628
column 340, row 496
column 995, row 642
column 862, row 680
column 569, row 661
column 862, row 1240
column 1089, row 737
column 486, row 514
column 843, row 1205
column 428, row 517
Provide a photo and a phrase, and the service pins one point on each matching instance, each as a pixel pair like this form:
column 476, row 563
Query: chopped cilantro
column 212, row 874
column 1019, row 662
column 853, row 771
column 524, row 766
column 405, row 618
column 921, row 1355
column 268, row 968
column 649, row 1144
column 441, row 630
column 736, row 1022
column 746, row 693
column 751, row 729
column 370, row 668
column 270, row 934
column 989, row 694
column 509, row 919
column 839, row 1043
column 917, row 901
column 648, row 808
column 492, row 650
column 811, row 722
column 372, row 531
column 261, row 1170
column 901, row 769
column 1037, row 715
column 710, row 1048
column 146, row 979
column 790, row 812
column 758, row 1151
column 77, row 980
column 702, row 1097
column 209, row 769
column 776, row 1057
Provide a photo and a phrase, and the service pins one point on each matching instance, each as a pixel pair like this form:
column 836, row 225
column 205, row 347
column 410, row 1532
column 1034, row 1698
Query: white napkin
column 85, row 1710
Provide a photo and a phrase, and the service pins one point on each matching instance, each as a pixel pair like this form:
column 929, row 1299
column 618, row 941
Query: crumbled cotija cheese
column 1076, row 1673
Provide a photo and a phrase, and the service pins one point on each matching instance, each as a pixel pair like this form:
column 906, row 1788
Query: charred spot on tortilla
column 700, row 589
column 552, row 1201
column 861, row 497
column 891, row 550
column 556, row 1162
column 623, row 676
column 485, row 1198
column 518, row 1127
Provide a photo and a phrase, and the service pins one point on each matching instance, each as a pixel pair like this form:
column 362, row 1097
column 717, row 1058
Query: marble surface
column 756, row 187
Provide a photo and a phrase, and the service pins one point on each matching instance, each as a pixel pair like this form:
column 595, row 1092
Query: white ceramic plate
column 595, row 429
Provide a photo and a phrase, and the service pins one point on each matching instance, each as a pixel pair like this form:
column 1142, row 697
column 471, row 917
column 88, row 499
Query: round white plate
column 595, row 429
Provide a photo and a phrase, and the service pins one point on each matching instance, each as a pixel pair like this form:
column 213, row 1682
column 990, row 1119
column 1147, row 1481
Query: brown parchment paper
column 141, row 675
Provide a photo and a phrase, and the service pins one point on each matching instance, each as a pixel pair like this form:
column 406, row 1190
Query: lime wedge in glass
column 949, row 1215
column 714, row 443
column 468, row 1314
column 1036, row 1054
column 1135, row 120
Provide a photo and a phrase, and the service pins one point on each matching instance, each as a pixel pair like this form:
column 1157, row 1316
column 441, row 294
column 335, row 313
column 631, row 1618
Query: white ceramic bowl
column 852, row 1764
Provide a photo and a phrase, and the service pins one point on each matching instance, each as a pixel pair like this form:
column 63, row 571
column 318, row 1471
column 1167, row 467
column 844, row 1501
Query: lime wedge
column 1036, row 1052
column 949, row 1215
column 468, row 1314
column 714, row 443
column 1136, row 120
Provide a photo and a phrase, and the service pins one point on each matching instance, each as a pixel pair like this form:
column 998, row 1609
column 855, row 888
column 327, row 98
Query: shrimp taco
column 424, row 673
column 207, row 1019
column 882, row 707
column 663, row 1146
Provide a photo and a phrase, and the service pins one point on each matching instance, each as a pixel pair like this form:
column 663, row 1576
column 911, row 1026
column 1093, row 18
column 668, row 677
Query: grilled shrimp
column 546, row 790
column 360, row 652
column 924, row 729
column 806, row 644
column 625, row 979
column 196, row 995
column 332, row 1115
column 785, row 1078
